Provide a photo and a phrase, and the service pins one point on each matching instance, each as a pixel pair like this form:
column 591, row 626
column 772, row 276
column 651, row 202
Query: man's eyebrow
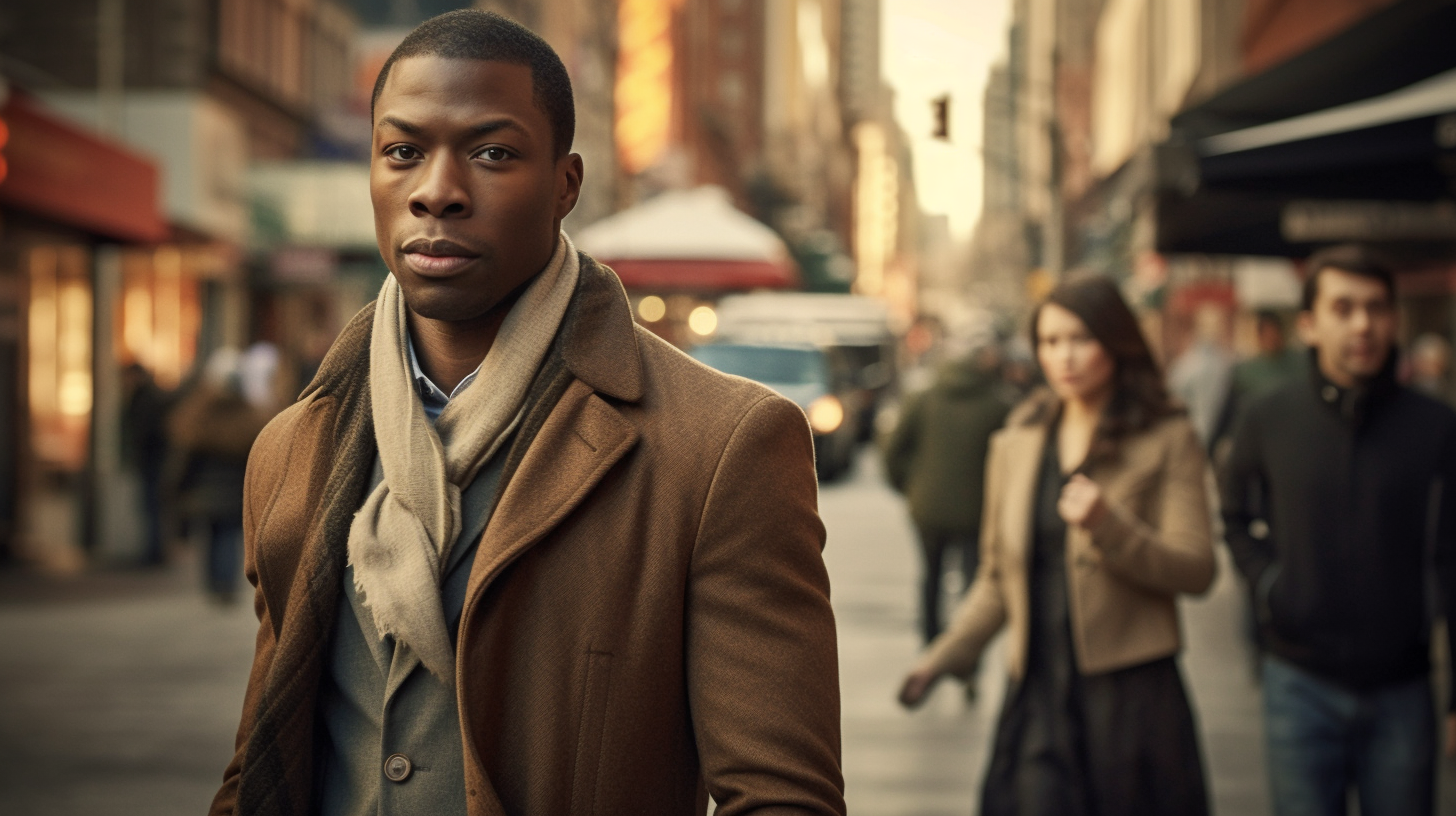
column 493, row 125
column 400, row 124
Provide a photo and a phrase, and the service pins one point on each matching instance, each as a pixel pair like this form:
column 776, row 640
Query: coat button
column 397, row 768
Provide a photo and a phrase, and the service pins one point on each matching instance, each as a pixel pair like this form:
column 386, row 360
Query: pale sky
column 931, row 48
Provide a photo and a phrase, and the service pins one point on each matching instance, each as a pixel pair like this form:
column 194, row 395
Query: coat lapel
column 579, row 442
column 581, row 437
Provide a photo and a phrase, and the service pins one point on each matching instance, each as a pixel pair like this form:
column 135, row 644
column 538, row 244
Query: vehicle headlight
column 826, row 414
column 703, row 320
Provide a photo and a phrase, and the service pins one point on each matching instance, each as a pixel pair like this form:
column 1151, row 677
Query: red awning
column 703, row 275
column 63, row 173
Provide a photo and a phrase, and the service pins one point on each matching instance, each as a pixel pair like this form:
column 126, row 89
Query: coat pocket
column 596, row 686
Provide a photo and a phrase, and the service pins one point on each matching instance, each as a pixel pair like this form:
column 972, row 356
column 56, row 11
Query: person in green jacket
column 936, row 456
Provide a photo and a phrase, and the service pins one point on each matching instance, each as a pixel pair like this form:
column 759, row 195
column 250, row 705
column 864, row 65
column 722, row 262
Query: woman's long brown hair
column 1139, row 398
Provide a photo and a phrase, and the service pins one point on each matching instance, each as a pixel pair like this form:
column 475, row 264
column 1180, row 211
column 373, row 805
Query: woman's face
column 1077, row 367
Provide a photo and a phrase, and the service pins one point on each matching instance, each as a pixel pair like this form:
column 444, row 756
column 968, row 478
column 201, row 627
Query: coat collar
column 1354, row 404
column 598, row 337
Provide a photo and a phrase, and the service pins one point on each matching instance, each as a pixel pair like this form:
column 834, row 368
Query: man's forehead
column 462, row 80
column 1341, row 284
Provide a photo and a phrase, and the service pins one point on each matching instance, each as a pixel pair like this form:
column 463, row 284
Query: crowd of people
column 1334, row 485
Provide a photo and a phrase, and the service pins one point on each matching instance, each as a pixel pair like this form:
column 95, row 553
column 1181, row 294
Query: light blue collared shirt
column 433, row 397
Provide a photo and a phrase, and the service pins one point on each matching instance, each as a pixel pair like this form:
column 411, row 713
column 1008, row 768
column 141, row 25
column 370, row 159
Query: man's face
column 467, row 190
column 1271, row 338
column 1351, row 325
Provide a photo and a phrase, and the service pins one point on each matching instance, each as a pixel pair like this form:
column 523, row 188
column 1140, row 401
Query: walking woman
column 1096, row 519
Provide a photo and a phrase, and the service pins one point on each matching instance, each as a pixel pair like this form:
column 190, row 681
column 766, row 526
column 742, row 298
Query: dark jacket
column 1334, row 502
column 647, row 619
column 936, row 455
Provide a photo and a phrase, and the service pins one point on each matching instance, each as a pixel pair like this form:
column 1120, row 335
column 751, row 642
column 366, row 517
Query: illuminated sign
column 644, row 96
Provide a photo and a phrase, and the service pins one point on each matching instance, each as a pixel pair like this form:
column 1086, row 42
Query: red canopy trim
column 704, row 275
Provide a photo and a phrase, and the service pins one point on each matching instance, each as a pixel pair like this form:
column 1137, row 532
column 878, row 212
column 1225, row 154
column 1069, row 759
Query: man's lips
column 437, row 257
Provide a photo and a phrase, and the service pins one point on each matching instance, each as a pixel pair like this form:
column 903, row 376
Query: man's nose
column 1360, row 320
column 442, row 191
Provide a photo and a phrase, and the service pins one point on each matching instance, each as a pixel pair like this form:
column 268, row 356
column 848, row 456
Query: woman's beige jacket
column 1124, row 574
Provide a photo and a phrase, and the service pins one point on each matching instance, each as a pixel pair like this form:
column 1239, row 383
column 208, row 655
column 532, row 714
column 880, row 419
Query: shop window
column 160, row 313
column 59, row 363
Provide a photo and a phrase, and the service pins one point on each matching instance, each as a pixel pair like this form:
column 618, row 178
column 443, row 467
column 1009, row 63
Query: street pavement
column 120, row 692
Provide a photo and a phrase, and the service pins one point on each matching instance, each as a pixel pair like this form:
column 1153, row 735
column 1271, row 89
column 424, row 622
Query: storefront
column 72, row 205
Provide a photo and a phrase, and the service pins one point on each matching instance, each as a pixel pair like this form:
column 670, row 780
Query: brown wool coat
column 1124, row 575
column 647, row 620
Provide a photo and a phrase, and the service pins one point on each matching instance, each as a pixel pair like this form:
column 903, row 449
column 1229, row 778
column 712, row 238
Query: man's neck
column 449, row 350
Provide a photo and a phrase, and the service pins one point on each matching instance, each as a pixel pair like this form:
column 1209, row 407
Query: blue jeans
column 1324, row 739
column 224, row 563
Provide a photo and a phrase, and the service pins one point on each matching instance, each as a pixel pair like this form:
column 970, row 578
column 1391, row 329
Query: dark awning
column 1359, row 169
column 1391, row 146
column 1398, row 46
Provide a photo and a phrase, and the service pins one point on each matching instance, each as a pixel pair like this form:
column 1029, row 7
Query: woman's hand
column 1081, row 503
column 917, row 685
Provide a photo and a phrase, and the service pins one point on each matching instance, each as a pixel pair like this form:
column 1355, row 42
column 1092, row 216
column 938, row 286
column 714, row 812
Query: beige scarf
column 400, row 540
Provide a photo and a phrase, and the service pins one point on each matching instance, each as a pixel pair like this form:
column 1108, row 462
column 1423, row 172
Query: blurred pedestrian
column 1096, row 520
column 1430, row 367
column 512, row 552
column 936, row 456
column 1333, row 486
column 144, row 449
column 212, row 428
column 259, row 374
column 1274, row 365
column 1202, row 374
column 1018, row 368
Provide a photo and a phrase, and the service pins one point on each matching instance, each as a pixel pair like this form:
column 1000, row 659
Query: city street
column 121, row 691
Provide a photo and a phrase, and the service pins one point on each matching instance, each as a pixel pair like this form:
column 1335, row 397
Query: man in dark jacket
column 1339, row 489
column 936, row 456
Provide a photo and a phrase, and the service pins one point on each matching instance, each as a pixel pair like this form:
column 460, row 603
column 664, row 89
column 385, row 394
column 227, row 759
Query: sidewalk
column 121, row 690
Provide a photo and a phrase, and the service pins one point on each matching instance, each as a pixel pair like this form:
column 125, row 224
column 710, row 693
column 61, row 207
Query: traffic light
column 940, row 106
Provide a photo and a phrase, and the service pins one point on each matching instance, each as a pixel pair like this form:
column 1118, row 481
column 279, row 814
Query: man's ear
column 569, row 171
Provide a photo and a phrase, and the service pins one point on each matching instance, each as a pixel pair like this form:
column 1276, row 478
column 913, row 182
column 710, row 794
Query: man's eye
column 495, row 154
column 402, row 153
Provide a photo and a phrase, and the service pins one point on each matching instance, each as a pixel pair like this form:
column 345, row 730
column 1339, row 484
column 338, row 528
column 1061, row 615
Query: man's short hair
column 1351, row 258
column 1270, row 318
column 487, row 36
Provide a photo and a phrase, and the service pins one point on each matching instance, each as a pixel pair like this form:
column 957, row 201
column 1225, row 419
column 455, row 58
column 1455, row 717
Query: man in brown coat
column 512, row 554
